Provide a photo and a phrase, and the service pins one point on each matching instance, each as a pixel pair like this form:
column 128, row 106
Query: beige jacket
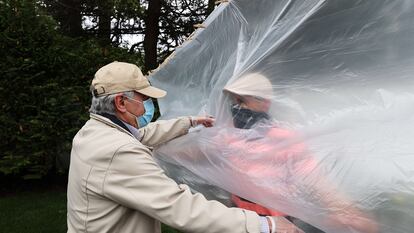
column 116, row 186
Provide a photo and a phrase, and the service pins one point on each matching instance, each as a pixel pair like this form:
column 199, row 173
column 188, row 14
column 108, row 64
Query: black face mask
column 244, row 118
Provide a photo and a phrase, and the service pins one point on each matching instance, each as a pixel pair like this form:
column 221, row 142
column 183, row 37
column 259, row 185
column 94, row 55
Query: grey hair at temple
column 105, row 104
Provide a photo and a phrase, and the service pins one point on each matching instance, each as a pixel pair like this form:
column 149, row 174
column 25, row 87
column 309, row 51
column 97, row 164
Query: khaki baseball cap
column 252, row 84
column 121, row 76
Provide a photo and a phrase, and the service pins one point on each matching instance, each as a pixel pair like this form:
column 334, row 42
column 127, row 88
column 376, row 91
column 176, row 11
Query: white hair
column 105, row 104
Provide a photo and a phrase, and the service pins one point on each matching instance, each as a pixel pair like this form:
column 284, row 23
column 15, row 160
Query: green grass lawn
column 37, row 211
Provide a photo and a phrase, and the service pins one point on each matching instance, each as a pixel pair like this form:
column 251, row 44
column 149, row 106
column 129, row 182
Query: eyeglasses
column 133, row 99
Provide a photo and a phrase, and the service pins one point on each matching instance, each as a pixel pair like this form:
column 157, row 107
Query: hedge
column 44, row 89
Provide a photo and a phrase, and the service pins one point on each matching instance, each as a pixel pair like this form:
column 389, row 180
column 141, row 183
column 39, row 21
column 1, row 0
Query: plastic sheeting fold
column 336, row 148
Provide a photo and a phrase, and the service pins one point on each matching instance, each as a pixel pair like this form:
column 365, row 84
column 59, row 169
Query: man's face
column 134, row 108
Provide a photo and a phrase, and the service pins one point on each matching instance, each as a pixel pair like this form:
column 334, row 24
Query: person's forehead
column 252, row 98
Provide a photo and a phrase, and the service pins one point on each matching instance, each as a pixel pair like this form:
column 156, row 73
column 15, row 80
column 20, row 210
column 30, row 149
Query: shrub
column 44, row 88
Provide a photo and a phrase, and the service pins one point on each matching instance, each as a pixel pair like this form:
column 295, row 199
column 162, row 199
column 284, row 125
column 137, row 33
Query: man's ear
column 119, row 103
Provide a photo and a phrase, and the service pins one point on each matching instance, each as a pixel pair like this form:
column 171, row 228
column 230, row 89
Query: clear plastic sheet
column 335, row 145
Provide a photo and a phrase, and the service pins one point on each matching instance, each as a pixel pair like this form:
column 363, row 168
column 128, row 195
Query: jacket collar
column 112, row 121
column 115, row 120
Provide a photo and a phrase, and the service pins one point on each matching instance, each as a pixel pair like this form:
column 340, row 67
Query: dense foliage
column 156, row 26
column 44, row 96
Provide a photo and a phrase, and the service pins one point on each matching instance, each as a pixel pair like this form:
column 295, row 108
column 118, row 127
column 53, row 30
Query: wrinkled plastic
column 337, row 150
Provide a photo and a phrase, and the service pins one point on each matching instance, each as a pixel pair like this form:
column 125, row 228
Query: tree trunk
column 68, row 14
column 74, row 18
column 105, row 8
column 151, row 34
column 210, row 6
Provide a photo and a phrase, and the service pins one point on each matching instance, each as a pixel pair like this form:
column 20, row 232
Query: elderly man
column 114, row 183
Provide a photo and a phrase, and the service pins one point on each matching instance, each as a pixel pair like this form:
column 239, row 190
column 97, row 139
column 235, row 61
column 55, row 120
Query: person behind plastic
column 114, row 185
column 250, row 98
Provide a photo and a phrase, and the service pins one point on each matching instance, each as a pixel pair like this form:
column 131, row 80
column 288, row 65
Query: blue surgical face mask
column 149, row 113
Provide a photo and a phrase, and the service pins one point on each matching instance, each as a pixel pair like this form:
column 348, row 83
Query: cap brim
column 152, row 92
column 236, row 92
column 248, row 93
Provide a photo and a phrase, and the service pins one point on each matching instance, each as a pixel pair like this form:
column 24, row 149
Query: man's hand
column 285, row 226
column 207, row 121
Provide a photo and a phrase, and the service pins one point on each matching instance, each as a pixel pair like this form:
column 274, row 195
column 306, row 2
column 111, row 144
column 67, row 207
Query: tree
column 105, row 12
column 177, row 23
column 69, row 14
column 44, row 82
column 152, row 32
column 210, row 6
column 47, row 66
column 158, row 26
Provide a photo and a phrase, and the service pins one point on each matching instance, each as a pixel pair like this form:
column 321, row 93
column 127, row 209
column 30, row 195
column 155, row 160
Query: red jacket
column 278, row 147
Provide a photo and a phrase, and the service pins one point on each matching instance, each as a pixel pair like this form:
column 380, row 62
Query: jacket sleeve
column 163, row 131
column 134, row 180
